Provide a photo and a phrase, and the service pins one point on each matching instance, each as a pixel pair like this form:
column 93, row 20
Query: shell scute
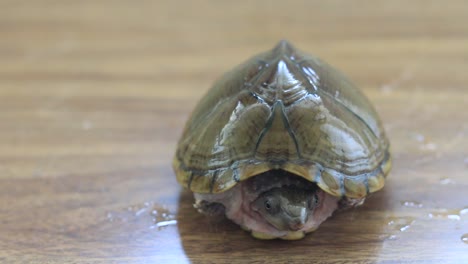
column 284, row 109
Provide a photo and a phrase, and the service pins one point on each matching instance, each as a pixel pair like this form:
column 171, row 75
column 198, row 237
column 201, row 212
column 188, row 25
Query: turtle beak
column 300, row 220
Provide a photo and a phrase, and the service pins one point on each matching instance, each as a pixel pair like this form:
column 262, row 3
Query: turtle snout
column 299, row 219
column 296, row 224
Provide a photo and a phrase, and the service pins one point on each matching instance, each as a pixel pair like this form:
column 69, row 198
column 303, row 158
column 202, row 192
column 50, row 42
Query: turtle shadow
column 358, row 232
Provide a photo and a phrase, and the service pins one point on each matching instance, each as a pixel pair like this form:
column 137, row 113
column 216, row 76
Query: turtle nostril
column 296, row 225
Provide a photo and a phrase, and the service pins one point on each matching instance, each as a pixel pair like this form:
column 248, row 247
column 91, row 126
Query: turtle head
column 286, row 208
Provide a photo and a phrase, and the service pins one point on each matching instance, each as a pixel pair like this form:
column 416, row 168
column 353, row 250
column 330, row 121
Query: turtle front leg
column 210, row 208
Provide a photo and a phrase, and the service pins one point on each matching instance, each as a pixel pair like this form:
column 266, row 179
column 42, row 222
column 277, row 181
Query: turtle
column 281, row 142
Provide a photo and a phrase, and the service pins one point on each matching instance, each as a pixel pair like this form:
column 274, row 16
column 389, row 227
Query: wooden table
column 94, row 95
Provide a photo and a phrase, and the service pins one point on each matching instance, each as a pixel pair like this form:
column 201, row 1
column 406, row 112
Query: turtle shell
column 284, row 109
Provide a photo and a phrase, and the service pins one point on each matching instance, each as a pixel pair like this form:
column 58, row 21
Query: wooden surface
column 94, row 95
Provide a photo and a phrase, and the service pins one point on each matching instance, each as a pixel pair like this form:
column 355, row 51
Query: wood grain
column 94, row 95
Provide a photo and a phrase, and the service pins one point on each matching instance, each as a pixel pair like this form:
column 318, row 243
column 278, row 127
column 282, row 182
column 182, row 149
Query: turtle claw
column 210, row 208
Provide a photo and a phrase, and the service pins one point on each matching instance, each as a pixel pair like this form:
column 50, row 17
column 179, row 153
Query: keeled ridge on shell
column 284, row 109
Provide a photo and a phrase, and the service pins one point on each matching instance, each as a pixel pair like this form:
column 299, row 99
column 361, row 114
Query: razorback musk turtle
column 281, row 142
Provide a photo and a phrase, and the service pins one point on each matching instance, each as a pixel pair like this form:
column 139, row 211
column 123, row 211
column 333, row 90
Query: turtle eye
column 314, row 202
column 267, row 205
